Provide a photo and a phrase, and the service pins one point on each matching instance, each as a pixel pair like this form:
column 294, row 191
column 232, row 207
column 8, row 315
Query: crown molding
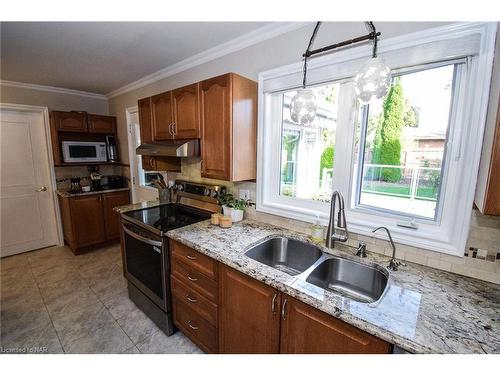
column 59, row 90
column 256, row 36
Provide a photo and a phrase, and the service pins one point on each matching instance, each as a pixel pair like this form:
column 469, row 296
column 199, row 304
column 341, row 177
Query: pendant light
column 303, row 105
column 373, row 80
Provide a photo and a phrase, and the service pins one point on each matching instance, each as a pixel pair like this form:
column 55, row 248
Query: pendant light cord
column 311, row 41
column 371, row 28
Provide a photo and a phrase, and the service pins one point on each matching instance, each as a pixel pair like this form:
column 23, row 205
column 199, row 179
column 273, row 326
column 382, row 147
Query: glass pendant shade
column 303, row 107
column 373, row 80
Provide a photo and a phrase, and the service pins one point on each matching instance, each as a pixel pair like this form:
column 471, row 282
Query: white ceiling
column 101, row 57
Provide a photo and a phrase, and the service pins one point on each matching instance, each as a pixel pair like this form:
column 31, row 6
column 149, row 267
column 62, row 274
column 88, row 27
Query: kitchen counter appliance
column 84, row 152
column 146, row 248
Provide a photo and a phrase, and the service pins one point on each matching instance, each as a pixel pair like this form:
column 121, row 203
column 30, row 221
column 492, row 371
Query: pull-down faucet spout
column 333, row 234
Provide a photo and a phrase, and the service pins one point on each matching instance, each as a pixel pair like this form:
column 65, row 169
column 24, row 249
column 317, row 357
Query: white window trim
column 448, row 235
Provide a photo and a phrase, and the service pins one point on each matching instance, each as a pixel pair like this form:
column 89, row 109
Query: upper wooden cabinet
column 81, row 122
column 69, row 121
column 306, row 330
column 186, row 113
column 101, row 124
column 228, row 128
column 488, row 187
column 249, row 315
column 152, row 163
column 162, row 111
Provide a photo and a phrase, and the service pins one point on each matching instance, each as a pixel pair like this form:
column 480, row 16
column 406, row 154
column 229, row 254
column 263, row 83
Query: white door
column 140, row 192
column 28, row 217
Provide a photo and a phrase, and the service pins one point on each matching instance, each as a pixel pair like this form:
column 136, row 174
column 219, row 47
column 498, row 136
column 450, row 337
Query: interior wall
column 52, row 100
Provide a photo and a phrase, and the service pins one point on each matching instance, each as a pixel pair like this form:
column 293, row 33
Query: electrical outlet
column 244, row 194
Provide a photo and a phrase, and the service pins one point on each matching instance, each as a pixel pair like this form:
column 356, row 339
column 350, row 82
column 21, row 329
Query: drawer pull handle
column 192, row 326
column 283, row 310
column 191, row 299
column 273, row 306
column 192, row 257
column 192, row 278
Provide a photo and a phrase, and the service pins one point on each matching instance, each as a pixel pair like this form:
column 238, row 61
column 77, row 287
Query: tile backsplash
column 484, row 234
column 63, row 174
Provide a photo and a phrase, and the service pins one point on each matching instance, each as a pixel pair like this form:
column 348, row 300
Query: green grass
column 425, row 193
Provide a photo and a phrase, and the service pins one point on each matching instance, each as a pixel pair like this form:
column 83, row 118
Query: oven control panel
column 208, row 192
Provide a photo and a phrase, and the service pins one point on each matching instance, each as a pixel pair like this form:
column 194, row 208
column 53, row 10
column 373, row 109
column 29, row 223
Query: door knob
column 43, row 188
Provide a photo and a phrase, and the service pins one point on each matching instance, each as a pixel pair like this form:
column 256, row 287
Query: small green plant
column 230, row 201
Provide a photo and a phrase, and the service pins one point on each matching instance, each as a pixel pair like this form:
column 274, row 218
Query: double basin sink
column 358, row 281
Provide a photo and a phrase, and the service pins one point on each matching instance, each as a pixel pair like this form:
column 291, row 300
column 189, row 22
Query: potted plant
column 233, row 207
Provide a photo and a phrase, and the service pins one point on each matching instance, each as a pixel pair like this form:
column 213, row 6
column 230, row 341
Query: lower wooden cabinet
column 90, row 220
column 306, row 330
column 249, row 316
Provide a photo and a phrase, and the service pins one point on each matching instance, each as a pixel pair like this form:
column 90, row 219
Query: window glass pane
column 307, row 152
column 404, row 143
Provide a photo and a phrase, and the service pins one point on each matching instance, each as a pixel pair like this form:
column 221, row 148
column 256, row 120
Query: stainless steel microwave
column 84, row 152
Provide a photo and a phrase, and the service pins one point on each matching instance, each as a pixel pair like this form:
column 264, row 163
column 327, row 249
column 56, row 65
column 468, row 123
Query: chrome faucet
column 331, row 234
column 394, row 263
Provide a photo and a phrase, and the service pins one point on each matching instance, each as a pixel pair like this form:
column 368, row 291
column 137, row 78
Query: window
column 402, row 144
column 307, row 152
column 408, row 161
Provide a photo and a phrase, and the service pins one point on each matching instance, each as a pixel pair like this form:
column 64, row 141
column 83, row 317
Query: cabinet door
column 112, row 218
column 162, row 116
column 216, row 114
column 87, row 219
column 146, row 129
column 249, row 314
column 306, row 330
column 186, row 112
column 70, row 121
column 101, row 124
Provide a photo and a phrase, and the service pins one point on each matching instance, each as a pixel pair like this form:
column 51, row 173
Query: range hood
column 176, row 148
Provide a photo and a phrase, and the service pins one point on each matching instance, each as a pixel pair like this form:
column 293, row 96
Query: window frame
column 463, row 144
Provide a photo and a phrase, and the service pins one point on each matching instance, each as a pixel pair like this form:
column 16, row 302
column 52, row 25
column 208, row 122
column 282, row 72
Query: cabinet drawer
column 195, row 327
column 194, row 280
column 206, row 309
column 195, row 259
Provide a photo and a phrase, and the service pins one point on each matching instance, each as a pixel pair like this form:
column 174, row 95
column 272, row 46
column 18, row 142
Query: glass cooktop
column 168, row 216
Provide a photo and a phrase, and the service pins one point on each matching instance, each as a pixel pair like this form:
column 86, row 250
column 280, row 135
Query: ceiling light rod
column 373, row 35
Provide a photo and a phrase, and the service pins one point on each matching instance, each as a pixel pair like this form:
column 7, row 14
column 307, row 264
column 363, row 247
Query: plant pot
column 235, row 215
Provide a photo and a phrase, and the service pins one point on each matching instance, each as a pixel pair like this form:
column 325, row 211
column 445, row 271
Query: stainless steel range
column 146, row 249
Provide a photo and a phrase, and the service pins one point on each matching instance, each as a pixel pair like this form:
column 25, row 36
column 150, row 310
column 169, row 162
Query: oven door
column 146, row 263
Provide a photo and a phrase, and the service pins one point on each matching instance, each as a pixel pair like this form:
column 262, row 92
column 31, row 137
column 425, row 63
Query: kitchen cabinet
column 161, row 106
column 228, row 105
column 186, row 112
column 488, row 187
column 101, row 124
column 90, row 220
column 306, row 330
column 152, row 163
column 249, row 315
column 69, row 121
column 194, row 283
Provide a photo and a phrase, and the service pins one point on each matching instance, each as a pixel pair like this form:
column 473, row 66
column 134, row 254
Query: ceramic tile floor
column 55, row 302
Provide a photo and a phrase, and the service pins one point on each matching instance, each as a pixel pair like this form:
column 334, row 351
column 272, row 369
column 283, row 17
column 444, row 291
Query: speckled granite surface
column 423, row 310
column 67, row 194
column 137, row 206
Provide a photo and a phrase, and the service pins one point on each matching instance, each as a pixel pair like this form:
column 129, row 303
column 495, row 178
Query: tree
column 410, row 117
column 387, row 144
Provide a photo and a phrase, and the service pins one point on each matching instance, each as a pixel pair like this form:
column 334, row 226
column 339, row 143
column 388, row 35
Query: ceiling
column 100, row 57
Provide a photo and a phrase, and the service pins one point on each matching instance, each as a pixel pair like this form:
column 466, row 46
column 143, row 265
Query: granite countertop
column 137, row 206
column 423, row 310
column 67, row 194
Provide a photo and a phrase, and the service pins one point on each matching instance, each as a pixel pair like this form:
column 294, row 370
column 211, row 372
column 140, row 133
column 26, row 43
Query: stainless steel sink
column 285, row 254
column 358, row 281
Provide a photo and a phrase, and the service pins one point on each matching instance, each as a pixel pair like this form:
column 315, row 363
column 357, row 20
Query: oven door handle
column 141, row 238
